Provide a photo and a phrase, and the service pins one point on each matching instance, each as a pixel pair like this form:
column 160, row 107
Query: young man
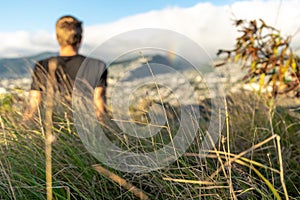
column 69, row 35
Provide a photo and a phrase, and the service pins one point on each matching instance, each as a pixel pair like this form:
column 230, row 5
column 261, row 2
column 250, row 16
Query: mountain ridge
column 21, row 67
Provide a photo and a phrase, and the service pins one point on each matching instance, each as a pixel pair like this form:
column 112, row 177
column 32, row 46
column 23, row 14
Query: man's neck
column 68, row 51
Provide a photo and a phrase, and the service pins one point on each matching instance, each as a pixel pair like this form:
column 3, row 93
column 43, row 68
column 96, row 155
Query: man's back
column 68, row 69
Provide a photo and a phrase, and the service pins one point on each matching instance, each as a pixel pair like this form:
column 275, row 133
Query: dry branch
column 122, row 182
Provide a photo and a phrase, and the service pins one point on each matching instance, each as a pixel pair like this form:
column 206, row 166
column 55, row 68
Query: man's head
column 68, row 31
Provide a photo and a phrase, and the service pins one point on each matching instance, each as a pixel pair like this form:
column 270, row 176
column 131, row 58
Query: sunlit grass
column 247, row 162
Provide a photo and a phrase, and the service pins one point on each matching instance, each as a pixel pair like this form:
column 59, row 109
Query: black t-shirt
column 70, row 68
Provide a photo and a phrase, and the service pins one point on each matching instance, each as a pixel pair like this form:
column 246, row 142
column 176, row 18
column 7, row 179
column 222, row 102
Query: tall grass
column 249, row 161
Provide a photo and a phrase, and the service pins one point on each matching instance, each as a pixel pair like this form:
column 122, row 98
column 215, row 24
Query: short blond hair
column 68, row 31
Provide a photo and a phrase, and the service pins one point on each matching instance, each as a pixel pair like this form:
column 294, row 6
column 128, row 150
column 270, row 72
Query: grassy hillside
column 257, row 157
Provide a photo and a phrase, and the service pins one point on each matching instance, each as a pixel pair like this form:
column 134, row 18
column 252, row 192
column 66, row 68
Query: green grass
column 254, row 175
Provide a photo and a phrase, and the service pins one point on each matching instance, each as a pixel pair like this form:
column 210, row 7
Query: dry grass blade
column 243, row 153
column 232, row 193
column 274, row 191
column 220, row 154
column 122, row 182
column 190, row 181
column 8, row 180
column 4, row 132
column 281, row 168
column 49, row 125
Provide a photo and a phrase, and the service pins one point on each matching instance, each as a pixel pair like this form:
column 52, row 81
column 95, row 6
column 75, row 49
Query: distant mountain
column 20, row 67
column 176, row 63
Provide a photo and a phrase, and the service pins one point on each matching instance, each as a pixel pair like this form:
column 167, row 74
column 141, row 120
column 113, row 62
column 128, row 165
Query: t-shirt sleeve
column 39, row 77
column 103, row 79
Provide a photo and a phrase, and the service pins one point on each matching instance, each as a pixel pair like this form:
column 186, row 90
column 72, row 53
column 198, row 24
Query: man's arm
column 99, row 102
column 35, row 98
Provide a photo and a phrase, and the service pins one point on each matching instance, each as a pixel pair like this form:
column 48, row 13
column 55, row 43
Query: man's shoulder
column 92, row 61
column 45, row 60
column 42, row 63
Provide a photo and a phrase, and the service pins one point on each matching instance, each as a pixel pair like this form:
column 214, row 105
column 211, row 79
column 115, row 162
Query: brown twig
column 122, row 182
column 48, row 126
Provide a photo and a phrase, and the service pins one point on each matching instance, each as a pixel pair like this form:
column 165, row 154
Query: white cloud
column 199, row 23
column 22, row 43
column 209, row 25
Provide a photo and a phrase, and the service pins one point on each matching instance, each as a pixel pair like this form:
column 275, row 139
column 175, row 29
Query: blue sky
column 35, row 15
column 28, row 27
